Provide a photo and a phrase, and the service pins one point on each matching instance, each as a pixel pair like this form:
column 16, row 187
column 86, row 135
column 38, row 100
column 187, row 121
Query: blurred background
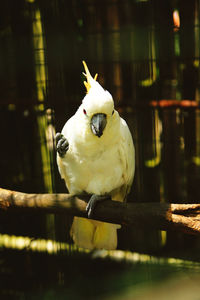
column 147, row 54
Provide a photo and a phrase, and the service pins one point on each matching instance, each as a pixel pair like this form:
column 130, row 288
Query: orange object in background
column 176, row 20
column 170, row 103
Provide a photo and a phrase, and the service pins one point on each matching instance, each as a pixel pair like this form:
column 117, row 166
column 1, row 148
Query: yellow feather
column 88, row 76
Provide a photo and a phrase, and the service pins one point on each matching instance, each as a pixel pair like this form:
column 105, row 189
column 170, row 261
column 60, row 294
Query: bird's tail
column 92, row 234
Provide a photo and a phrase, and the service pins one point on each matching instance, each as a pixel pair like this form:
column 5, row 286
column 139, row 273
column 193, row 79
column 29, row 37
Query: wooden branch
column 162, row 216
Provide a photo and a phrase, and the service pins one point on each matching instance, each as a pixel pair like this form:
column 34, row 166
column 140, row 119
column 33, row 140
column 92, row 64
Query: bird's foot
column 62, row 144
column 93, row 202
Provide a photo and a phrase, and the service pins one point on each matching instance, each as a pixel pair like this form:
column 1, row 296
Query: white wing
column 128, row 152
column 127, row 159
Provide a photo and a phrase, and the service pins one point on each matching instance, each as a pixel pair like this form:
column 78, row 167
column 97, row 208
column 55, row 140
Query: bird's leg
column 93, row 202
column 62, row 144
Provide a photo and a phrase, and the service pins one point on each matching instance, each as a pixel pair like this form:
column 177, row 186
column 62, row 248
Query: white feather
column 96, row 165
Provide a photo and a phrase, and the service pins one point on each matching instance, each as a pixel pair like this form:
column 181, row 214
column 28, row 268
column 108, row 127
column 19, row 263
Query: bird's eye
column 84, row 111
column 113, row 112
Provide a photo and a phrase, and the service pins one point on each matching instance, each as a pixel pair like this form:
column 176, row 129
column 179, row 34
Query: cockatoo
column 95, row 155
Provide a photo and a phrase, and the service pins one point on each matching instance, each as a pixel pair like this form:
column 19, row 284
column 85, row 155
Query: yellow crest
column 88, row 76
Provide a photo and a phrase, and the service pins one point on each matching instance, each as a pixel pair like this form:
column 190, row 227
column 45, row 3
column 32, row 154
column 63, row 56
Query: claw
column 62, row 144
column 58, row 136
column 93, row 202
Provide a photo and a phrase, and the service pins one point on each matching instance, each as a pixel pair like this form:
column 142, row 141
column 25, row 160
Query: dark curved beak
column 98, row 124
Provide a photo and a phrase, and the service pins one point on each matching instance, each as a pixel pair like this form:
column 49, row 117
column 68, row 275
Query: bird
column 96, row 156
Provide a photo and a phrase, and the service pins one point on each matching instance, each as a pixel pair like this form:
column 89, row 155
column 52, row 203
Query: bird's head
column 97, row 106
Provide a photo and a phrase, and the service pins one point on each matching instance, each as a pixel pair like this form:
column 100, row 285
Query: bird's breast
column 97, row 171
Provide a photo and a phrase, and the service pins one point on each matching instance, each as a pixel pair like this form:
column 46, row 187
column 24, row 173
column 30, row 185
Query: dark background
column 147, row 55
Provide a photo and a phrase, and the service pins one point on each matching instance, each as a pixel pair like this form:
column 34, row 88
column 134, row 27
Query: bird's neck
column 88, row 144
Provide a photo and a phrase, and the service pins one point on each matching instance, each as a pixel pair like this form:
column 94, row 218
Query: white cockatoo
column 95, row 155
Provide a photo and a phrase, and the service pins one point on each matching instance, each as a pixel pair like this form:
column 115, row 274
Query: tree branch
column 162, row 216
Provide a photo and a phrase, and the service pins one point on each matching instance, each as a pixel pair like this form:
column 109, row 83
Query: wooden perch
column 162, row 216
